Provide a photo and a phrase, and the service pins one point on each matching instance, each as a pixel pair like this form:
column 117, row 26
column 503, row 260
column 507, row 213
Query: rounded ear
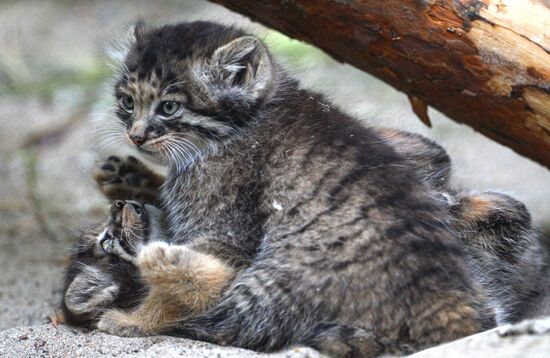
column 139, row 30
column 118, row 50
column 245, row 62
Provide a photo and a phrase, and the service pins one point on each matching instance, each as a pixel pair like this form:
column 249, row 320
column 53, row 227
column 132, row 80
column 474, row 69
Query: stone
column 63, row 341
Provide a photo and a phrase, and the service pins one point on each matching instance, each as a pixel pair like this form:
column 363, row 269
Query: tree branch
column 483, row 63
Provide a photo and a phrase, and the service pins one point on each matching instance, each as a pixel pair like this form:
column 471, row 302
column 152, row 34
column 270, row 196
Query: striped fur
column 339, row 236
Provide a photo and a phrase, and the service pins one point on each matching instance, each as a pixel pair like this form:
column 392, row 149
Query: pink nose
column 137, row 139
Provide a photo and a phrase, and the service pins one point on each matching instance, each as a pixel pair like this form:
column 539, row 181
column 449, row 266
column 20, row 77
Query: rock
column 49, row 341
column 526, row 339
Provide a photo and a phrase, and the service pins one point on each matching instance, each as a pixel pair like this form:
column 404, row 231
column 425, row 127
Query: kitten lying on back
column 103, row 273
column 124, row 267
column 336, row 240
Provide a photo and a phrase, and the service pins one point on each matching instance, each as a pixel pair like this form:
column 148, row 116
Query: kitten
column 503, row 252
column 128, row 263
column 335, row 239
column 102, row 273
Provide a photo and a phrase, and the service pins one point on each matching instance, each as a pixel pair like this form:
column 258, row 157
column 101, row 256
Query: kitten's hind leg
column 341, row 341
column 181, row 282
column 128, row 179
column 429, row 159
column 504, row 252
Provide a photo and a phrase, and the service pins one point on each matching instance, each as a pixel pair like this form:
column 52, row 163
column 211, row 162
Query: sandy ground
column 52, row 96
column 46, row 341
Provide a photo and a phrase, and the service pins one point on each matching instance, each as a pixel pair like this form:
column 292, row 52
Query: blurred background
column 55, row 91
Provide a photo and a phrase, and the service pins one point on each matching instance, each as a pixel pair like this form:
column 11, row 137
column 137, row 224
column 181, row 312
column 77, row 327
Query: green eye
column 107, row 245
column 168, row 108
column 127, row 103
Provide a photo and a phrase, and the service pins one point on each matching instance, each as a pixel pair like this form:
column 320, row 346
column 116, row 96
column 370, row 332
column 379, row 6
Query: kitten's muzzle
column 118, row 204
column 138, row 139
column 138, row 132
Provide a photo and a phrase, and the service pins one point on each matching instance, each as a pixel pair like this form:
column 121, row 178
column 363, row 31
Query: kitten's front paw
column 123, row 179
column 119, row 323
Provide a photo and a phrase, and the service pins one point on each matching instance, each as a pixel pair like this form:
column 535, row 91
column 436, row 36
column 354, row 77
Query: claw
column 108, row 167
column 133, row 159
column 115, row 180
column 113, row 158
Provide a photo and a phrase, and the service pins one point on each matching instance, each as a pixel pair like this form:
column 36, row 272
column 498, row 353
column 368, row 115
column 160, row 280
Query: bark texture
column 484, row 63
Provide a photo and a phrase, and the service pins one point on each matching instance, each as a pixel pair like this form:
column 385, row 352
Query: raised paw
column 124, row 179
column 120, row 323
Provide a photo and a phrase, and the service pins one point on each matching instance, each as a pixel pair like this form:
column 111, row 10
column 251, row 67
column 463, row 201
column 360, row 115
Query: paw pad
column 126, row 179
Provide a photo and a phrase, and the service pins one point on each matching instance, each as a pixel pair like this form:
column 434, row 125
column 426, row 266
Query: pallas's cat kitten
column 110, row 268
column 326, row 234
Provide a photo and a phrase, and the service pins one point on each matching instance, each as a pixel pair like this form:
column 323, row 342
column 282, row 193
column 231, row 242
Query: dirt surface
column 48, row 341
column 532, row 339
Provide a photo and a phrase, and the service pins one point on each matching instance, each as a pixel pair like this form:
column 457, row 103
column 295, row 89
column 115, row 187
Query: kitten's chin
column 152, row 155
column 153, row 147
column 149, row 151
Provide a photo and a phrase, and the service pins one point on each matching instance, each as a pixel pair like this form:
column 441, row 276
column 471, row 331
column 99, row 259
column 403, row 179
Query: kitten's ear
column 245, row 62
column 139, row 30
column 118, row 49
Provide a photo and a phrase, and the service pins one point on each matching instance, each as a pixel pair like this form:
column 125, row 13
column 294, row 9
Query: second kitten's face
column 187, row 86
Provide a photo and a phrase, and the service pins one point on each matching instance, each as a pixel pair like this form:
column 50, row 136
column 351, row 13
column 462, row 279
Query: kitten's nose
column 137, row 139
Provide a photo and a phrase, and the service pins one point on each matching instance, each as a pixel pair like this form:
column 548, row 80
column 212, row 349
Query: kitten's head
column 188, row 85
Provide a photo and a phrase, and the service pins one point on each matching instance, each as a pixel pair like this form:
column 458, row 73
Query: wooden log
column 484, row 63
